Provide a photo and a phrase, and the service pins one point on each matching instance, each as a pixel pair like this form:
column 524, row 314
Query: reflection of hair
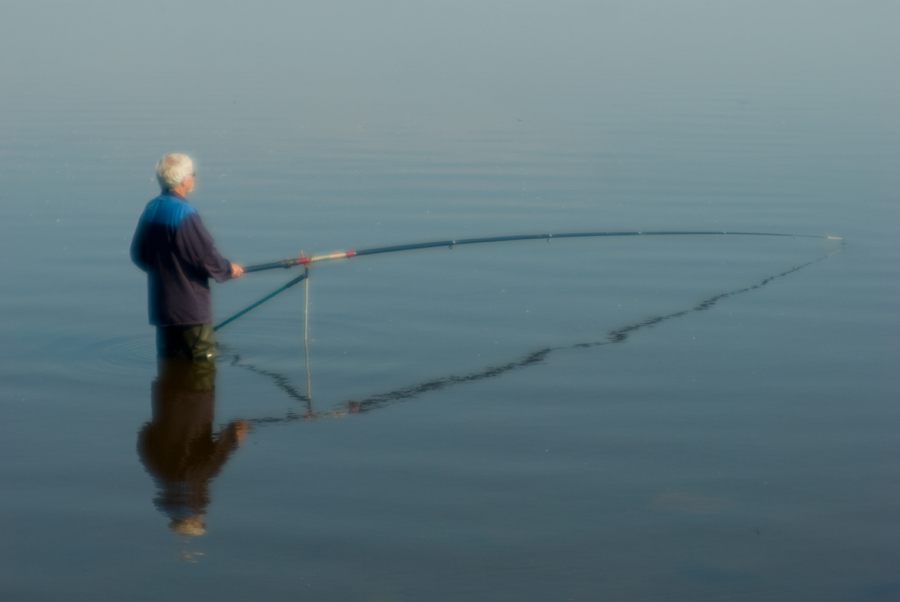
column 187, row 527
column 173, row 169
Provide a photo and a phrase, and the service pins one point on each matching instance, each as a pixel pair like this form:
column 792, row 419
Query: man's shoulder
column 168, row 210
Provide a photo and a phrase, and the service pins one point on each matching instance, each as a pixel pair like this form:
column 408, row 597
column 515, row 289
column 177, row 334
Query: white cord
column 306, row 339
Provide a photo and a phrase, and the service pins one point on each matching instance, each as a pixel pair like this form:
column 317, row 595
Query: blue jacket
column 177, row 252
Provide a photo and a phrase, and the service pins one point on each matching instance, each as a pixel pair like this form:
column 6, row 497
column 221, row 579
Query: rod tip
column 835, row 238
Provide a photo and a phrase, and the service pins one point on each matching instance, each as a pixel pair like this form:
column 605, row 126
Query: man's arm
column 137, row 243
column 196, row 245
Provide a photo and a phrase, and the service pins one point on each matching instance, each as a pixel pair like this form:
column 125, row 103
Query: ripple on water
column 116, row 355
column 136, row 353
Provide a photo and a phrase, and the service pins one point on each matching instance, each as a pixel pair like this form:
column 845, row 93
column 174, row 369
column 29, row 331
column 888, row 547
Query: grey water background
column 748, row 451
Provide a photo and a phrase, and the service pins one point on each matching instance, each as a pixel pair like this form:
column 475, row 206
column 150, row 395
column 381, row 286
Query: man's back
column 174, row 248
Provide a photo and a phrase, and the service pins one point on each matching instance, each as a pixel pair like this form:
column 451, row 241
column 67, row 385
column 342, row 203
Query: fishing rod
column 288, row 263
column 306, row 261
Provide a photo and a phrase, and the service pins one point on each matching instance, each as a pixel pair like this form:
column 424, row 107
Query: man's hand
column 236, row 270
column 240, row 430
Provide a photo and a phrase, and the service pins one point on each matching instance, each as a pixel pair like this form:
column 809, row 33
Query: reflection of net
column 381, row 400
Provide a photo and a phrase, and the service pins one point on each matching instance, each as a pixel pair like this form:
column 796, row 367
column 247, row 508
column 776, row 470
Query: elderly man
column 177, row 252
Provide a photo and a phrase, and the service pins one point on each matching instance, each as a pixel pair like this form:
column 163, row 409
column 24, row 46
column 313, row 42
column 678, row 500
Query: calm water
column 499, row 422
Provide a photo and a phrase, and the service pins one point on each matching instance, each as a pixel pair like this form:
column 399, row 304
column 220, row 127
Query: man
column 177, row 252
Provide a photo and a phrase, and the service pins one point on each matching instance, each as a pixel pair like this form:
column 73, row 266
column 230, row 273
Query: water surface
column 506, row 421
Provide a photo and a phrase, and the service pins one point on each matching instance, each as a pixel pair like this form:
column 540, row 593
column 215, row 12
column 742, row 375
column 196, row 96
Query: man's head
column 188, row 526
column 175, row 172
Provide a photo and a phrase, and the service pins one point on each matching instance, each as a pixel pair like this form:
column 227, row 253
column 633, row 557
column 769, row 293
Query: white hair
column 172, row 170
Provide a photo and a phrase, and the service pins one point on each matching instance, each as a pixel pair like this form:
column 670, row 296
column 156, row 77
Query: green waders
column 192, row 343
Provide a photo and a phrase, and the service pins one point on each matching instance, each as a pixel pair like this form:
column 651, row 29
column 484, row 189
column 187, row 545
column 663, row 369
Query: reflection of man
column 178, row 447
column 174, row 248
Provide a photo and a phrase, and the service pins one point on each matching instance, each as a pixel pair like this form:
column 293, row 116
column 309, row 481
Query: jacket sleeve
column 195, row 245
column 137, row 247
